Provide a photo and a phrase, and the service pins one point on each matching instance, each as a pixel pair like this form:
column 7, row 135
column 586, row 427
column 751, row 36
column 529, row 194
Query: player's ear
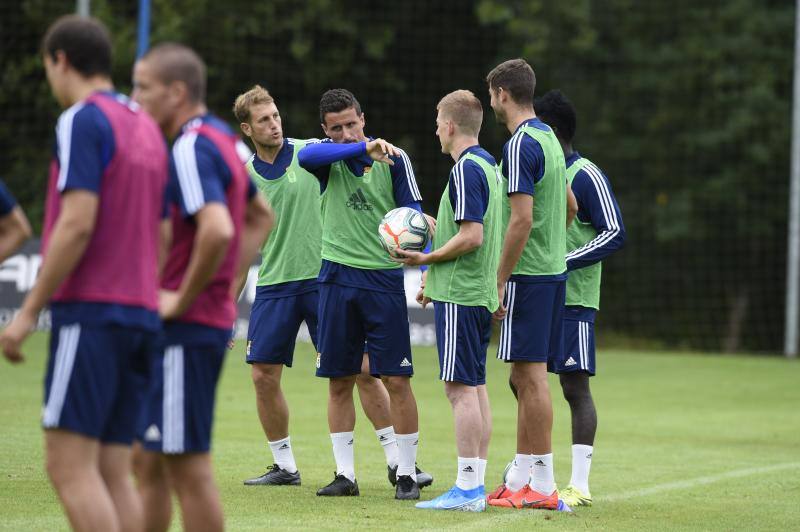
column 245, row 127
column 363, row 119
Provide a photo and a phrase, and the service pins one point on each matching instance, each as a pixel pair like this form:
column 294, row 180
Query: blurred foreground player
column 596, row 233
column 100, row 273
column 218, row 222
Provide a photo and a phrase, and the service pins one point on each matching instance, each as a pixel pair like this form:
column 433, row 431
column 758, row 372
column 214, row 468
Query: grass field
column 685, row 442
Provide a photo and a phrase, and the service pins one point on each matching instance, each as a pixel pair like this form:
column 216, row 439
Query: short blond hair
column 463, row 108
column 244, row 102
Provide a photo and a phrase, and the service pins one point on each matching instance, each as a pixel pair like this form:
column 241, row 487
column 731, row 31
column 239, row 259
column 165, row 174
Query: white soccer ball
column 404, row 228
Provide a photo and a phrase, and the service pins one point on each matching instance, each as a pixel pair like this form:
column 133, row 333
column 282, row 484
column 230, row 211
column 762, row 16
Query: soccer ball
column 403, row 228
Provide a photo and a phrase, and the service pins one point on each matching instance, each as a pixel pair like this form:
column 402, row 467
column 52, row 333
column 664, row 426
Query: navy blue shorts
column 350, row 316
column 96, row 378
column 533, row 328
column 179, row 408
column 462, row 337
column 579, row 353
column 274, row 323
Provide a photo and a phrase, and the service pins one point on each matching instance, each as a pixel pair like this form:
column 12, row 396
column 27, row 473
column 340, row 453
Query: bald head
column 173, row 62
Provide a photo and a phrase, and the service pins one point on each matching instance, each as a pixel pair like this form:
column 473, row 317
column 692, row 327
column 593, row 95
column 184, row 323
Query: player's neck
column 566, row 147
column 460, row 144
column 82, row 88
column 517, row 115
column 183, row 115
column 268, row 154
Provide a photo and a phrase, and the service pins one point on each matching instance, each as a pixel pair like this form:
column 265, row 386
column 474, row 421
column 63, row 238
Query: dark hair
column 177, row 62
column 557, row 111
column 516, row 77
column 85, row 42
column 335, row 101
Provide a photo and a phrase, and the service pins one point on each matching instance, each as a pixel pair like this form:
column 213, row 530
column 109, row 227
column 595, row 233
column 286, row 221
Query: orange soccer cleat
column 501, row 492
column 528, row 498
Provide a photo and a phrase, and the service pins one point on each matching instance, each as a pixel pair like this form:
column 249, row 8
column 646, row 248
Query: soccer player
column 462, row 283
column 286, row 292
column 14, row 226
column 100, row 275
column 362, row 293
column 531, row 279
column 597, row 233
column 218, row 224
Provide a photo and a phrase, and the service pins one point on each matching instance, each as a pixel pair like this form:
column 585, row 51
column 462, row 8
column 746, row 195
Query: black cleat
column 275, row 476
column 423, row 479
column 340, row 487
column 407, row 489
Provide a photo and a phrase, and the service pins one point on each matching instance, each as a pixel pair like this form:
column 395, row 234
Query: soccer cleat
column 455, row 498
column 575, row 497
column 423, row 479
column 340, row 487
column 275, row 476
column 528, row 498
column 501, row 492
column 407, row 488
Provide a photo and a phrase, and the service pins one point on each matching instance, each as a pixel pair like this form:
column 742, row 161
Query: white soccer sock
column 542, row 473
column 468, row 474
column 387, row 439
column 581, row 464
column 481, row 472
column 282, row 454
column 407, row 454
column 343, row 454
column 520, row 472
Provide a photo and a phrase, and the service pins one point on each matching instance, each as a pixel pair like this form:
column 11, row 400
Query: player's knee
column 397, row 385
column 575, row 387
column 266, row 376
column 341, row 389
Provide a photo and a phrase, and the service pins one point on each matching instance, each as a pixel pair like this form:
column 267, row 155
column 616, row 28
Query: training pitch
column 684, row 442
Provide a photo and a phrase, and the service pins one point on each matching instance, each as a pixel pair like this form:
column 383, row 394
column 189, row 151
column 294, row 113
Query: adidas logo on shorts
column 405, row 363
column 570, row 362
column 152, row 434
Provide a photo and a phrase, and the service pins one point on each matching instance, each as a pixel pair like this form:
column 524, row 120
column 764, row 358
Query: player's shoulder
column 589, row 171
column 303, row 142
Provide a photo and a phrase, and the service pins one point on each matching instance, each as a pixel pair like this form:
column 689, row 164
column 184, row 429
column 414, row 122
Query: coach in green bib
column 462, row 283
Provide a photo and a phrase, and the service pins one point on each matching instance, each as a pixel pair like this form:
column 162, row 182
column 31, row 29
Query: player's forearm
column 65, row 249
column 314, row 156
column 462, row 243
column 208, row 251
column 516, row 237
column 572, row 206
column 604, row 244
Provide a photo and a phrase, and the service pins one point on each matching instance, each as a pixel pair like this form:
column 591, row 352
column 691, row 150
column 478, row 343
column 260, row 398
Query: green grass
column 664, row 418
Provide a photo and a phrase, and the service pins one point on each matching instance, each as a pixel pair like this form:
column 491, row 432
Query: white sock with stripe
column 343, row 454
column 407, row 454
column 542, row 479
column 282, row 454
column 520, row 472
column 468, row 474
column 388, row 440
column 481, row 471
column 581, row 464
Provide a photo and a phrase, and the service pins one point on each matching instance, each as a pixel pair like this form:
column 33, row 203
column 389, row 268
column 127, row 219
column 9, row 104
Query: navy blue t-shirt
column 468, row 189
column 598, row 206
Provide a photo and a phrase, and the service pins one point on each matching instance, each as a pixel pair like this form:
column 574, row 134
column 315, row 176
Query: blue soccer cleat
column 473, row 500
